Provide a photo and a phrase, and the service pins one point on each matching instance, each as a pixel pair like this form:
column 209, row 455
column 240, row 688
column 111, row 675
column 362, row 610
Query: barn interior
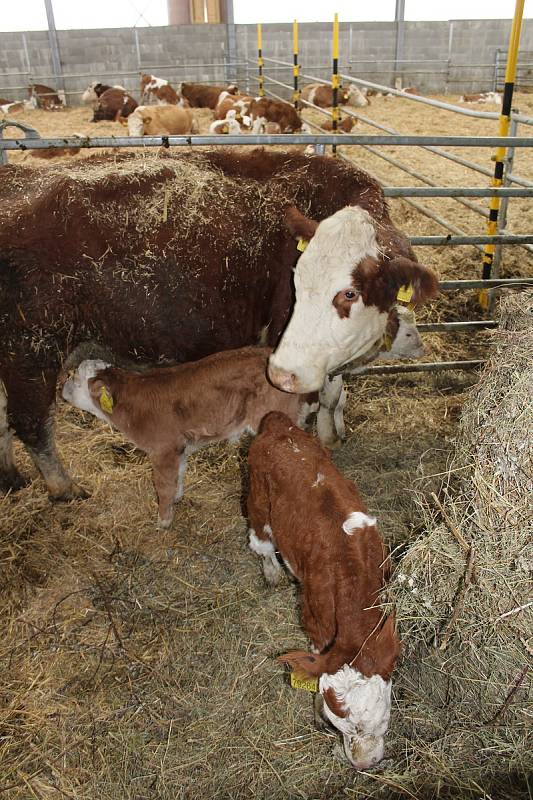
column 140, row 663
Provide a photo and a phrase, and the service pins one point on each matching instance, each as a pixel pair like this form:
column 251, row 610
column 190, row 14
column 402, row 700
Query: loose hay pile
column 462, row 590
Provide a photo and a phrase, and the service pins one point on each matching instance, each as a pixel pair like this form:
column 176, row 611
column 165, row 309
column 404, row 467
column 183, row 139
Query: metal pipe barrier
column 433, row 366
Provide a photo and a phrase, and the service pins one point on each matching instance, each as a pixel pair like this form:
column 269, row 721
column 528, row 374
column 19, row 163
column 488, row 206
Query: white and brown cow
column 170, row 412
column 300, row 506
column 161, row 121
column 482, row 97
column 342, row 297
column 264, row 109
column 240, row 103
column 322, row 96
column 201, row 95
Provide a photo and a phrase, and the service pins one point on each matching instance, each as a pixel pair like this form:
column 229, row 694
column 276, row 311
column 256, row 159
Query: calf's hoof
column 164, row 524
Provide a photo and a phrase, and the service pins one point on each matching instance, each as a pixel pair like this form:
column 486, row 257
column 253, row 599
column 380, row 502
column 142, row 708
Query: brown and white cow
column 214, row 272
column 157, row 91
column 300, row 506
column 343, row 296
column 95, row 90
column 344, row 126
column 113, row 104
column 322, row 96
column 482, row 97
column 240, row 103
column 170, row 412
column 230, row 124
column 44, row 97
column 200, row 95
column 265, row 109
column 161, row 121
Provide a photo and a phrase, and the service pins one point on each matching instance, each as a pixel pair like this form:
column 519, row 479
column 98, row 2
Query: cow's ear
column 404, row 272
column 298, row 225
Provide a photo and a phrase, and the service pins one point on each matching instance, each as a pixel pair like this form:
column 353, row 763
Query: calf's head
column 87, row 389
column 344, row 290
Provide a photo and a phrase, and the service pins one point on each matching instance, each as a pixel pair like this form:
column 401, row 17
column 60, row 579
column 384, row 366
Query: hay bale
column 461, row 591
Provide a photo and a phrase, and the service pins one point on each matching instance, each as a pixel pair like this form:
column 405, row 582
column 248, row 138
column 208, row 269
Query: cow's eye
column 350, row 295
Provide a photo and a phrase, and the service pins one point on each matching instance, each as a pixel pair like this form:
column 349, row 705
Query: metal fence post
column 502, row 216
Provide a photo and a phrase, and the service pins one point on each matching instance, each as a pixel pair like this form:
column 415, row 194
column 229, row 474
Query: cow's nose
column 287, row 381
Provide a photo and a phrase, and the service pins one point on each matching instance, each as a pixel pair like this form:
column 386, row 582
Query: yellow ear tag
column 302, row 244
column 405, row 293
column 299, row 681
column 106, row 401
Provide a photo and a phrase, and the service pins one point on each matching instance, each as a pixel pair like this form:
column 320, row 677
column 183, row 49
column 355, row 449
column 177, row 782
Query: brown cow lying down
column 44, row 97
column 264, row 109
column 301, row 506
column 171, row 411
column 322, row 96
column 345, row 125
column 113, row 104
column 161, row 121
column 200, row 95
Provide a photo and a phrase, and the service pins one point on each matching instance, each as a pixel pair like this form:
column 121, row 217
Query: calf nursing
column 302, row 507
column 171, row 411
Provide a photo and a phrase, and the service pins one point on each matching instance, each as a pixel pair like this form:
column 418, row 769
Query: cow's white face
column 330, row 324
column 76, row 390
column 366, row 704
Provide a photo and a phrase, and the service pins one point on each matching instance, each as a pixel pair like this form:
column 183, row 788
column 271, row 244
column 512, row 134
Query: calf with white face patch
column 345, row 286
column 301, row 507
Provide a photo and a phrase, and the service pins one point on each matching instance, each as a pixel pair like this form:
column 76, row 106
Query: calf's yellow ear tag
column 405, row 293
column 106, row 401
column 299, row 681
column 302, row 244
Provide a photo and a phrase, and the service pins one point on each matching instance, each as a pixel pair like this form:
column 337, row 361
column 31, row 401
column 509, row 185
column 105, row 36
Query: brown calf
column 345, row 125
column 44, row 97
column 113, row 104
column 171, row 411
column 264, row 109
column 301, row 506
column 200, row 95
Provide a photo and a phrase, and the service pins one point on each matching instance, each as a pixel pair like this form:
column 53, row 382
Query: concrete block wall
column 450, row 52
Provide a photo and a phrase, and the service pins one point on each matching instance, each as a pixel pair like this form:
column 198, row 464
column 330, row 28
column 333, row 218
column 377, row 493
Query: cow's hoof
column 12, row 481
column 163, row 524
column 74, row 492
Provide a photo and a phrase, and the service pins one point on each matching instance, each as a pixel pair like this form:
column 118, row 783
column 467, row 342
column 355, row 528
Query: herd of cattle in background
column 164, row 110
column 225, row 330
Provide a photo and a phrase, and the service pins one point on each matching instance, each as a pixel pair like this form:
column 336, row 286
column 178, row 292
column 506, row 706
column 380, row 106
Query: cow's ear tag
column 302, row 244
column 299, row 681
column 106, row 401
column 405, row 293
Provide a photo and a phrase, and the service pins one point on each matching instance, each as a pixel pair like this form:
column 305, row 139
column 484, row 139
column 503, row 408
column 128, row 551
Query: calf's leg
column 169, row 470
column 260, row 532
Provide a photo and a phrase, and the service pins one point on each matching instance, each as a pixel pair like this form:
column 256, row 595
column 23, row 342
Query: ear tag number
column 299, row 681
column 106, row 401
column 405, row 293
column 302, row 244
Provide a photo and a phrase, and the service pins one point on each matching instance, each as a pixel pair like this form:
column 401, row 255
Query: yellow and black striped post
column 295, row 67
column 335, row 80
column 260, row 61
column 499, row 157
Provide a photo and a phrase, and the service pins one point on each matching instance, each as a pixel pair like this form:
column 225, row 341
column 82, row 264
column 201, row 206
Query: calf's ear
column 101, row 394
column 298, row 225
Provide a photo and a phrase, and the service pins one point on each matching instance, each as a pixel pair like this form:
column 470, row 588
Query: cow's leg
column 260, row 532
column 31, row 407
column 10, row 477
column 169, row 474
column 330, row 419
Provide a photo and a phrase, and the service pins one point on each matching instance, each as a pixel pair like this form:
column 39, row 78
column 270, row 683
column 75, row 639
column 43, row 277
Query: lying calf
column 301, row 506
column 171, row 411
